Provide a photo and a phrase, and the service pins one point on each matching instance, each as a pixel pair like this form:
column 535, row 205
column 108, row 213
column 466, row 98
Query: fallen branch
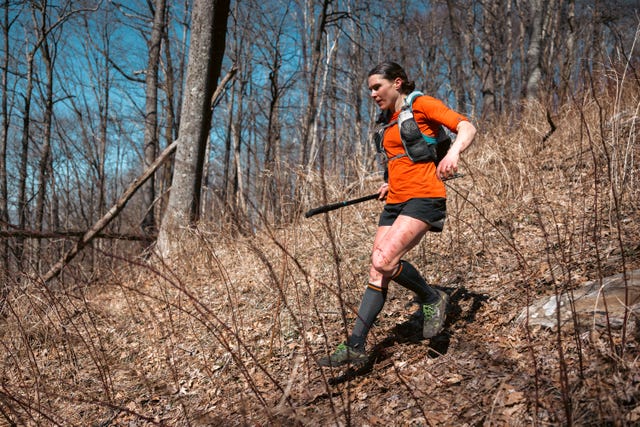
column 122, row 201
column 69, row 234
column 110, row 215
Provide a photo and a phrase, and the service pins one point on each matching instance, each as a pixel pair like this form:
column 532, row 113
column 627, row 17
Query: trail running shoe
column 434, row 315
column 344, row 354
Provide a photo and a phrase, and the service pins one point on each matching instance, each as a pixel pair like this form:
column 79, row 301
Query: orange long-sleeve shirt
column 406, row 178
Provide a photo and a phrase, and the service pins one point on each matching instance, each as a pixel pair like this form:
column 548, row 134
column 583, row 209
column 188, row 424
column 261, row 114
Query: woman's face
column 384, row 92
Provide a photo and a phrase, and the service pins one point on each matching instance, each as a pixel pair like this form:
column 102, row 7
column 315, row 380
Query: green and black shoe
column 344, row 354
column 434, row 315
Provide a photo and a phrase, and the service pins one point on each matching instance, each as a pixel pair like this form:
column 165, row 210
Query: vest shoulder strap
column 408, row 102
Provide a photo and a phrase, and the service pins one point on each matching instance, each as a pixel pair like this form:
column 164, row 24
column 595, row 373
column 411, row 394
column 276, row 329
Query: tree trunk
column 568, row 61
column 457, row 55
column 24, row 161
column 313, row 70
column 4, row 192
column 208, row 33
column 171, row 125
column 151, row 114
column 534, row 51
column 226, row 175
column 269, row 186
column 489, row 15
column 313, row 147
column 238, row 202
column 45, row 167
column 104, row 111
column 507, row 74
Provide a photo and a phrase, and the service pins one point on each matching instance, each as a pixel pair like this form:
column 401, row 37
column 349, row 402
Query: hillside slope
column 229, row 333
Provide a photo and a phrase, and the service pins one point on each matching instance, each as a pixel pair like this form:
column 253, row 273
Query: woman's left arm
column 448, row 166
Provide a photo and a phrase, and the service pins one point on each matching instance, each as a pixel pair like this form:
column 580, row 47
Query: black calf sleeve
column 408, row 277
column 372, row 302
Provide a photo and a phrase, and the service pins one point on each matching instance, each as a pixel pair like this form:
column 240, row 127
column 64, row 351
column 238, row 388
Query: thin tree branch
column 215, row 99
column 110, row 215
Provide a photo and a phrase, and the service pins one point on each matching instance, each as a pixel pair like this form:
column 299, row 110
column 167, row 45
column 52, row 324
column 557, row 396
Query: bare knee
column 381, row 264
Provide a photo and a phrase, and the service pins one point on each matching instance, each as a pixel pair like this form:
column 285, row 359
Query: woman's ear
column 397, row 84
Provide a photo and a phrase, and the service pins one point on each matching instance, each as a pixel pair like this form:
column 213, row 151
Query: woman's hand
column 382, row 191
column 449, row 165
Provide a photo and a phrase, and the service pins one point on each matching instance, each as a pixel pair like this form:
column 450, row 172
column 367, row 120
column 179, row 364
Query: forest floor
column 229, row 333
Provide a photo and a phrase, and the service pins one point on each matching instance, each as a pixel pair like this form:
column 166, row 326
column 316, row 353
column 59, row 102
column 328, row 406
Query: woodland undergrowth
column 229, row 332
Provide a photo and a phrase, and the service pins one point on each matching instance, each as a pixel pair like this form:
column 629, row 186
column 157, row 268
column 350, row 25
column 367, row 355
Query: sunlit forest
column 156, row 162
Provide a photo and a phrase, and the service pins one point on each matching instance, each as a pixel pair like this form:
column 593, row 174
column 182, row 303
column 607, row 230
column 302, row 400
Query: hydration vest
column 417, row 146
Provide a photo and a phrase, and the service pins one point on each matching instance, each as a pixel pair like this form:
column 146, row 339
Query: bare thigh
column 391, row 244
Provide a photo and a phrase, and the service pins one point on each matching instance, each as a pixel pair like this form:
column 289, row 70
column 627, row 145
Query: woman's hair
column 391, row 71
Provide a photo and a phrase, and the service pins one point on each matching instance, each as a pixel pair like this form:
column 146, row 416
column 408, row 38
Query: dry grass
column 229, row 333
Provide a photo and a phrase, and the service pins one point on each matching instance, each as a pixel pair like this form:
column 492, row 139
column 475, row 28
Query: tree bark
column 457, row 54
column 4, row 193
column 568, row 61
column 151, row 113
column 238, row 201
column 313, row 70
column 208, row 33
column 488, row 78
column 46, row 165
column 534, row 51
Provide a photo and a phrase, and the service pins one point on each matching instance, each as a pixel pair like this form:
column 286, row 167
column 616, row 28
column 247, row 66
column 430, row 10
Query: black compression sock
column 410, row 278
column 372, row 302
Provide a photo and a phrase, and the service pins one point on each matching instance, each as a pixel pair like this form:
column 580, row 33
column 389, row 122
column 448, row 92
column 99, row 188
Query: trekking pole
column 338, row 205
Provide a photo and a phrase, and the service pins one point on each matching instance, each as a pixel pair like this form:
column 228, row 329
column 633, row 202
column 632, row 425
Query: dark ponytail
column 391, row 71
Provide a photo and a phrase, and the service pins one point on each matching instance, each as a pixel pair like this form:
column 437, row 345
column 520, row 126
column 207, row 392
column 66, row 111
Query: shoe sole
column 329, row 364
column 445, row 298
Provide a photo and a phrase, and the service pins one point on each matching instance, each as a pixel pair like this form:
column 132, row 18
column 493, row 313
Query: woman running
column 415, row 203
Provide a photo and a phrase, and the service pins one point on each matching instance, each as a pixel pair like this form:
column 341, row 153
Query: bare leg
column 391, row 244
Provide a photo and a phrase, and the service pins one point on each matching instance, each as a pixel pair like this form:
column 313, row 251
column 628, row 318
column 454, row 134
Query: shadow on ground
column 463, row 307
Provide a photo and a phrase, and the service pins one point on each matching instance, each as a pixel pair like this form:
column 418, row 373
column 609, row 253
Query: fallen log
column 71, row 234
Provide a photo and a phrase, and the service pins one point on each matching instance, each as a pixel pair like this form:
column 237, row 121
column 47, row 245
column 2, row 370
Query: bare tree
column 208, row 33
column 7, row 23
column 232, row 192
column 569, row 49
column 238, row 181
column 535, row 49
column 151, row 112
column 45, row 170
column 172, row 76
column 272, row 57
column 24, row 154
column 457, row 53
column 489, row 55
column 40, row 13
column 312, row 73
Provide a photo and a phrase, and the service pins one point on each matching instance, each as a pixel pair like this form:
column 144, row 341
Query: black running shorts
column 433, row 211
